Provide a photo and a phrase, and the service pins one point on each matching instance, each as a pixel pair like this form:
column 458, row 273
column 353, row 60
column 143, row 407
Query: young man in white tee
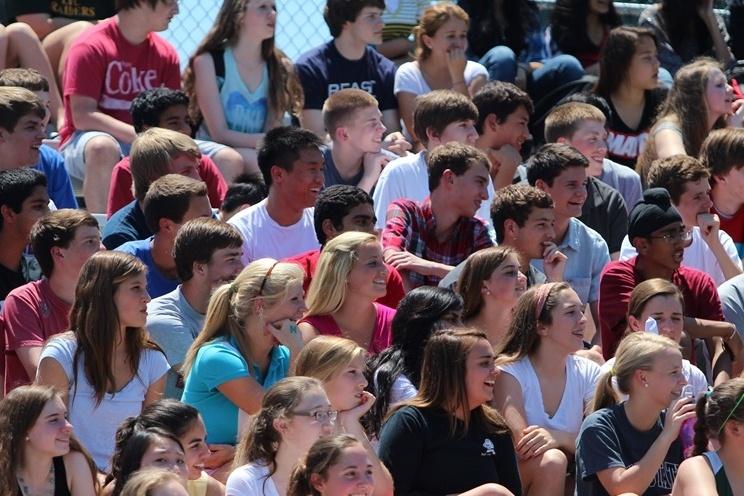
column 440, row 117
column 282, row 225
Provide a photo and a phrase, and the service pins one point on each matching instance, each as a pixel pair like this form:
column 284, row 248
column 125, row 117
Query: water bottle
column 687, row 431
column 651, row 326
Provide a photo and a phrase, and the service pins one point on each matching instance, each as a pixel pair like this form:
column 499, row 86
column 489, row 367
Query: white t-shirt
column 581, row 380
column 698, row 255
column 250, row 480
column 694, row 376
column 410, row 79
column 95, row 426
column 264, row 238
column 407, row 177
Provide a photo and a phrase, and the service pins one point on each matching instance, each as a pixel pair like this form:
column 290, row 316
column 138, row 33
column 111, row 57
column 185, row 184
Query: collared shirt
column 412, row 227
column 587, row 255
column 604, row 211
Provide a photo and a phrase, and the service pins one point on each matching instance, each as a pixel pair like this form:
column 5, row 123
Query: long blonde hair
column 325, row 356
column 231, row 304
column 327, row 291
column 638, row 351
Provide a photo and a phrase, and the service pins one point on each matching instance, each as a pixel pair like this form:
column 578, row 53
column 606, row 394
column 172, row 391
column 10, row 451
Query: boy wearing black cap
column 656, row 231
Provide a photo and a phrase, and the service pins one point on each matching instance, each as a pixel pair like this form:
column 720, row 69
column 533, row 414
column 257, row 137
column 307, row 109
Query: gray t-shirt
column 173, row 325
column 731, row 293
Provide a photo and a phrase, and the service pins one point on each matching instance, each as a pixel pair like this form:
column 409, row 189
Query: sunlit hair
column 261, row 440
column 19, row 412
column 522, row 338
column 685, row 104
column 285, row 91
column 327, row 291
column 715, row 410
column 324, row 454
column 94, row 320
column 444, row 380
column 722, row 151
column 478, row 268
column 638, row 351
column 146, row 482
column 431, row 20
column 233, row 303
column 325, row 357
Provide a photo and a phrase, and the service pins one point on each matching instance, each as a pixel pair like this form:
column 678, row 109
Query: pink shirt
column 32, row 314
column 105, row 66
column 382, row 336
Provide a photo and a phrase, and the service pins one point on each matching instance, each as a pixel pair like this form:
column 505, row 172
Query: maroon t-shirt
column 32, row 314
column 617, row 282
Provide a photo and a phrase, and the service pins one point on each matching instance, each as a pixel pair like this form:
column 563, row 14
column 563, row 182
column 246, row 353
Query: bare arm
column 79, row 476
column 243, row 392
column 694, row 478
column 29, row 358
column 208, row 94
column 155, row 391
column 313, row 120
column 87, row 117
column 476, row 84
column 43, row 24
column 391, row 120
column 406, row 104
column 397, row 47
column 51, row 373
column 510, row 402
column 669, row 142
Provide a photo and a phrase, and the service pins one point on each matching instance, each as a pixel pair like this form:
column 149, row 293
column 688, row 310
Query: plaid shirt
column 411, row 227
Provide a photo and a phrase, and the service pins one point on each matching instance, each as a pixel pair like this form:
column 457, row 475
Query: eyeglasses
column 683, row 235
column 320, row 415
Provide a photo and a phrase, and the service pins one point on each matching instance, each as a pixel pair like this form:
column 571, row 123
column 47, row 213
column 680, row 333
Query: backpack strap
column 219, row 62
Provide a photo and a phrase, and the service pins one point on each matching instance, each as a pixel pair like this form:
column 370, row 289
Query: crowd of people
column 449, row 251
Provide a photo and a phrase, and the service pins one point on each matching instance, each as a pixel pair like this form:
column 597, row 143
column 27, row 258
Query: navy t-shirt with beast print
column 323, row 71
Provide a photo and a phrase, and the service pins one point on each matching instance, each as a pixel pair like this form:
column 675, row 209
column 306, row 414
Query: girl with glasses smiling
column 295, row 412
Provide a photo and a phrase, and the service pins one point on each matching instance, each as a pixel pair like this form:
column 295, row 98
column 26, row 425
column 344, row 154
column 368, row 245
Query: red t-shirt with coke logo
column 102, row 64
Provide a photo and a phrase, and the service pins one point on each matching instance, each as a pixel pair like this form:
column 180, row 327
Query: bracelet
column 732, row 335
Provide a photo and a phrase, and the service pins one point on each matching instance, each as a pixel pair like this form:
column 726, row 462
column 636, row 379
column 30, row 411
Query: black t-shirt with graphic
column 624, row 144
column 425, row 459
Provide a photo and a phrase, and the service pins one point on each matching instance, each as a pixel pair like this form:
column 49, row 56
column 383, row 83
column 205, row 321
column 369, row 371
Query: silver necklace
column 48, row 489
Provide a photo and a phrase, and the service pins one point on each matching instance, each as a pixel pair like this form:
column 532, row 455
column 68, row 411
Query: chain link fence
column 300, row 24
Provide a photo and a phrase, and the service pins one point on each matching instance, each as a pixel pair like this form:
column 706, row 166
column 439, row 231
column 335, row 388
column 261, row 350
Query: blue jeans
column 501, row 63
